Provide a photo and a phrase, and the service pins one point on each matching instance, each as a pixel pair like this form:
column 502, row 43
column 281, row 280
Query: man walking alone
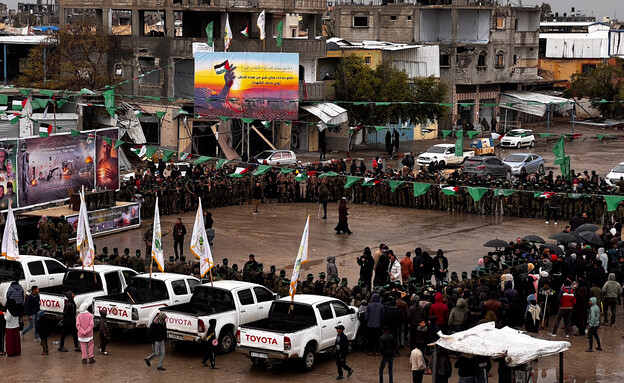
column 157, row 334
column 179, row 231
column 340, row 349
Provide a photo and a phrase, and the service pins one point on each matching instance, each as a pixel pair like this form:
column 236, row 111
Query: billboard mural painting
column 50, row 166
column 110, row 220
column 263, row 86
column 107, row 168
column 8, row 171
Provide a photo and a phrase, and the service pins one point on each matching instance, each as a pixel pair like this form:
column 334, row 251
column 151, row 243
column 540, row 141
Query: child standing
column 42, row 327
column 105, row 332
column 84, row 324
column 594, row 323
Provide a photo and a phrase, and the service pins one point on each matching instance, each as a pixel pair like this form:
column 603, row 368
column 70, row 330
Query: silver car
column 531, row 162
column 276, row 157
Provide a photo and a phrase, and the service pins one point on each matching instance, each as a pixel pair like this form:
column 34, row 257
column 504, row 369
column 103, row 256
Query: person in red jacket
column 440, row 310
column 566, row 303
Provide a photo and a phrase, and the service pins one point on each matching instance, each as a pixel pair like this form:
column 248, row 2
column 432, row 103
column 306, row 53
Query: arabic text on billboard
column 263, row 86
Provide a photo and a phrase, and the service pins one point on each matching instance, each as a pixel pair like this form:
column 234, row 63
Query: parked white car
column 29, row 271
column 442, row 155
column 614, row 175
column 517, row 138
column 276, row 157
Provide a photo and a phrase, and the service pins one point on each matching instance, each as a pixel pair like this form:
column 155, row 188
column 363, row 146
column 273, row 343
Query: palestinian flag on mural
column 45, row 130
column 245, row 30
column 449, row 190
column 240, row 172
column 223, row 67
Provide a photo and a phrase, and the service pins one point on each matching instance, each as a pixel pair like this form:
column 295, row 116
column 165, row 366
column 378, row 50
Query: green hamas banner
column 477, row 192
column 394, row 184
column 613, row 201
column 351, row 180
column 420, row 188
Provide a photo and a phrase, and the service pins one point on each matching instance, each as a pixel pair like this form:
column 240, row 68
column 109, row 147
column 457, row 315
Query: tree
column 71, row 59
column 546, row 11
column 357, row 82
column 605, row 82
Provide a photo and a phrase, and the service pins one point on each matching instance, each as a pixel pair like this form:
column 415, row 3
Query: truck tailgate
column 259, row 339
column 52, row 303
column 115, row 310
column 182, row 322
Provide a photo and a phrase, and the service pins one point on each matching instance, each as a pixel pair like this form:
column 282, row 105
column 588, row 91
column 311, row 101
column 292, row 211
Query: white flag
column 302, row 257
column 199, row 243
column 260, row 23
column 228, row 33
column 85, row 246
column 157, row 249
column 10, row 242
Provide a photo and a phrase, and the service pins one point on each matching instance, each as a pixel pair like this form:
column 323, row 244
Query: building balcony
column 312, row 91
column 526, row 38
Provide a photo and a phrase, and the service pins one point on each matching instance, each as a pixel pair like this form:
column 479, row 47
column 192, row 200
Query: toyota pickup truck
column 442, row 155
column 300, row 329
column 87, row 284
column 138, row 305
column 29, row 271
column 231, row 303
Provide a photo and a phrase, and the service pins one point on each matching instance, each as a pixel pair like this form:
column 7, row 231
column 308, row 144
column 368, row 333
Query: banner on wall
column 107, row 167
column 109, row 220
column 263, row 86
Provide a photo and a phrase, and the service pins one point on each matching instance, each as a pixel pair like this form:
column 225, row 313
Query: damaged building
column 483, row 49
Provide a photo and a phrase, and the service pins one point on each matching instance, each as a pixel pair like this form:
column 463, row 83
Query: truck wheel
column 518, row 145
column 309, row 359
column 226, row 342
column 532, row 144
column 441, row 164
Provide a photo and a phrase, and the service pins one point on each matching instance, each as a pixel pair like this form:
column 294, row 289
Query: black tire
column 442, row 164
column 227, row 343
column 309, row 359
column 518, row 145
column 532, row 144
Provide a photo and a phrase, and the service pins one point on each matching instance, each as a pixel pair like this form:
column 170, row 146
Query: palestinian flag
column 14, row 118
column 240, row 172
column 496, row 136
column 45, row 130
column 449, row 190
column 368, row 181
column 138, row 113
column 544, row 194
column 245, row 30
column 223, row 67
column 183, row 156
column 301, row 177
column 18, row 105
column 139, row 150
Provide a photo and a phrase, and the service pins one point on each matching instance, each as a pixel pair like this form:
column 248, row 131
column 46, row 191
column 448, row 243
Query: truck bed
column 278, row 326
column 61, row 290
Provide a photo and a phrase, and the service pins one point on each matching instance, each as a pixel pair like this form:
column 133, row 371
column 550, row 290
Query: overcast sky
column 600, row 8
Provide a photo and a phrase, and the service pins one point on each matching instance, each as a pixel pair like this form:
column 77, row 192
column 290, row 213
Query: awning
column 534, row 103
column 517, row 348
column 328, row 113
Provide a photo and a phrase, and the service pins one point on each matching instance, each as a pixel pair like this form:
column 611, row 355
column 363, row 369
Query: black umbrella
column 562, row 237
column 496, row 243
column 576, row 236
column 587, row 227
column 533, row 238
column 591, row 237
column 553, row 248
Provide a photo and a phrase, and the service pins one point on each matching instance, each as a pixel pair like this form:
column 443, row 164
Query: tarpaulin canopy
column 517, row 347
column 533, row 103
column 328, row 113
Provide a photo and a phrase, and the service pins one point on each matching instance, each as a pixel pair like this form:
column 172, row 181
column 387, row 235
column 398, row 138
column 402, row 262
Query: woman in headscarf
column 343, row 214
column 532, row 315
column 13, row 342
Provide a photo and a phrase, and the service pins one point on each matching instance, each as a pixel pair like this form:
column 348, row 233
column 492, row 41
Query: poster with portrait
column 110, row 220
column 50, row 166
column 107, row 167
column 8, row 174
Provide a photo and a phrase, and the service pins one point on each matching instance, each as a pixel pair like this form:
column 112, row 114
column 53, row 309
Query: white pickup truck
column 443, row 155
column 138, row 305
column 29, row 271
column 231, row 303
column 87, row 284
column 298, row 330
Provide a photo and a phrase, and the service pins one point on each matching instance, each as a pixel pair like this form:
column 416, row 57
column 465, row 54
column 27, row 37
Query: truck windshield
column 142, row 291
column 82, row 281
column 10, row 271
column 287, row 312
column 209, row 300
column 436, row 149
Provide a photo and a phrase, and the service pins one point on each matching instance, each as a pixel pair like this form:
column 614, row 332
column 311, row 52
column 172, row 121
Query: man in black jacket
column 31, row 309
column 367, row 263
column 340, row 350
column 386, row 344
column 157, row 335
column 69, row 322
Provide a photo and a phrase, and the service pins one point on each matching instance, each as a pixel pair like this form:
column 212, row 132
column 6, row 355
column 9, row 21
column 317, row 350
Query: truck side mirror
column 352, row 310
column 275, row 296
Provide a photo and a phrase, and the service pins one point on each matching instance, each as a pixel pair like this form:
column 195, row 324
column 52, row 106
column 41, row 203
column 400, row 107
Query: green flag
column 280, row 31
column 559, row 150
column 262, row 169
column 74, row 133
column 328, row 174
column 446, row 133
column 109, row 101
column 394, row 184
column 209, row 33
column 286, row 170
column 420, row 188
column 167, row 154
column 459, row 147
column 565, row 167
column 25, row 92
column 546, row 135
column 351, row 180
column 613, row 201
column 472, row 133
column 221, row 162
column 224, row 118
column 108, row 140
column 160, row 113
column 477, row 192
column 118, row 143
column 4, row 99
column 459, row 133
column 247, row 120
column 149, row 152
column 201, row 160
column 301, row 177
column 503, row 192
column 48, row 93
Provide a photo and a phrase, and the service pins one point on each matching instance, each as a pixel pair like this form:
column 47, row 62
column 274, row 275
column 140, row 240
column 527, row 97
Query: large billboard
column 263, row 86
column 50, row 166
column 109, row 220
column 107, row 167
